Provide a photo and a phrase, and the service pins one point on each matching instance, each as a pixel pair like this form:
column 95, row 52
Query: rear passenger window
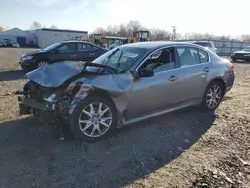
column 94, row 47
column 83, row 47
column 188, row 56
column 203, row 56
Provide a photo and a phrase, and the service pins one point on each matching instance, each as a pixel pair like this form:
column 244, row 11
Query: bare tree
column 245, row 38
column 123, row 31
column 35, row 25
column 157, row 34
column 112, row 30
column 224, row 37
column 133, row 26
column 2, row 29
column 100, row 30
column 208, row 36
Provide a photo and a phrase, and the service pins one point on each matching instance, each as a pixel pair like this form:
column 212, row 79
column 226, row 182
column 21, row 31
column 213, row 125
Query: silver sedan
column 128, row 84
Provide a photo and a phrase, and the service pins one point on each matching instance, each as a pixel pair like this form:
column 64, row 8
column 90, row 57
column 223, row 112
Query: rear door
column 66, row 51
column 194, row 67
column 87, row 52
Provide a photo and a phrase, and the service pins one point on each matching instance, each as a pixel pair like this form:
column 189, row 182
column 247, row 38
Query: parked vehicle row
column 128, row 84
column 7, row 43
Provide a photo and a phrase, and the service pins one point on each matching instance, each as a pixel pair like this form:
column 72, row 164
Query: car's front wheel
column 94, row 119
column 213, row 95
column 41, row 64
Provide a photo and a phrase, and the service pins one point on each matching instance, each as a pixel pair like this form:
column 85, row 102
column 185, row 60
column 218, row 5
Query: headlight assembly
column 29, row 57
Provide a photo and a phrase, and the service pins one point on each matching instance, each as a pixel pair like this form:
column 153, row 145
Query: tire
column 209, row 98
column 41, row 64
column 82, row 131
column 234, row 59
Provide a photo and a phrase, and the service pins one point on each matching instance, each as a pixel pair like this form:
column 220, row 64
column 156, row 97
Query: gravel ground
column 187, row 148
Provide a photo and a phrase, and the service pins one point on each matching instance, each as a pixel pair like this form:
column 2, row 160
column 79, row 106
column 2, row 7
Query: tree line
column 127, row 30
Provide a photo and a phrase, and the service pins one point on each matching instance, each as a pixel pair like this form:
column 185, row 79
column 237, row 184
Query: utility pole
column 174, row 32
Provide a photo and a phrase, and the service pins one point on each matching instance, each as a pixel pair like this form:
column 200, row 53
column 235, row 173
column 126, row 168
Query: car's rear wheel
column 94, row 119
column 41, row 64
column 213, row 95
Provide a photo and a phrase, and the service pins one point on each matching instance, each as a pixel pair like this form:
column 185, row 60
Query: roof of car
column 156, row 44
column 69, row 41
column 78, row 41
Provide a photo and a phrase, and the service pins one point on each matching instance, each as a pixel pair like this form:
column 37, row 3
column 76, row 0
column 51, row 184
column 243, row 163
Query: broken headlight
column 51, row 98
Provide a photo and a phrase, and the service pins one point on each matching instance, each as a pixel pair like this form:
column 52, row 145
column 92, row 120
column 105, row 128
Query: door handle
column 73, row 55
column 206, row 69
column 91, row 54
column 172, row 78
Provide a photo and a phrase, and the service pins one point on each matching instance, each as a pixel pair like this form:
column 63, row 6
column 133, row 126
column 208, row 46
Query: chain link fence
column 226, row 47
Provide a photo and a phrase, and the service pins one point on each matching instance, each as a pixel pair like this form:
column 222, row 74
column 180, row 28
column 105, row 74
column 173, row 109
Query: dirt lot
column 187, row 148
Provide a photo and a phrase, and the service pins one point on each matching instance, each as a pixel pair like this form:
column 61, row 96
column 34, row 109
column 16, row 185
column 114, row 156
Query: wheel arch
column 102, row 93
column 220, row 80
column 106, row 95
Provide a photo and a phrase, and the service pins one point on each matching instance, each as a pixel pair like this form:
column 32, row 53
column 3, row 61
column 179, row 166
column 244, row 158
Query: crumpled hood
column 55, row 74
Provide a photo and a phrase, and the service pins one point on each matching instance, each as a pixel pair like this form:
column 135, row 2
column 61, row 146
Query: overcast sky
column 218, row 17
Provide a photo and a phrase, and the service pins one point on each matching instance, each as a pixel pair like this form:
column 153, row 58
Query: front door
column 66, row 51
column 151, row 94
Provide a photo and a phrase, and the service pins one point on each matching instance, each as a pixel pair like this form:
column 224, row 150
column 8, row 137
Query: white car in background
column 15, row 45
column 207, row 44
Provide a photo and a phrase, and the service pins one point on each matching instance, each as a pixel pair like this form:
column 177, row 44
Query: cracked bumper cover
column 26, row 105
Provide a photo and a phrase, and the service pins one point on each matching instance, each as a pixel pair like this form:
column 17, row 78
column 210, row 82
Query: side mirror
column 146, row 73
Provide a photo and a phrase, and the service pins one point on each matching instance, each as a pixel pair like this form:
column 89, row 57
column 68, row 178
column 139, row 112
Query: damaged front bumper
column 28, row 106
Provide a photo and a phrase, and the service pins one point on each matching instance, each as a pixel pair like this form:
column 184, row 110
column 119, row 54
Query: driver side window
column 161, row 60
column 67, row 48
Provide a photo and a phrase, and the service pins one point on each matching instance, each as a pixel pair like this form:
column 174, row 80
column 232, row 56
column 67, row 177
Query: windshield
column 121, row 58
column 247, row 49
column 204, row 44
column 51, row 47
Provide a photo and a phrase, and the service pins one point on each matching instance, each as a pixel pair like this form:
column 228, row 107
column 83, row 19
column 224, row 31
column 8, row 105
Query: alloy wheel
column 95, row 119
column 213, row 97
column 42, row 64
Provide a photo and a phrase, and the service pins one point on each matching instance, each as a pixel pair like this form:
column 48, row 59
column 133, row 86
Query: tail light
column 231, row 66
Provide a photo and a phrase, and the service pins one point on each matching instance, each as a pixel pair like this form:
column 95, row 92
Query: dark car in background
column 243, row 54
column 61, row 51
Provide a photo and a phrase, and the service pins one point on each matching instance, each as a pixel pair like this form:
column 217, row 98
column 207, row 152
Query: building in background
column 46, row 37
column 41, row 37
column 16, row 35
